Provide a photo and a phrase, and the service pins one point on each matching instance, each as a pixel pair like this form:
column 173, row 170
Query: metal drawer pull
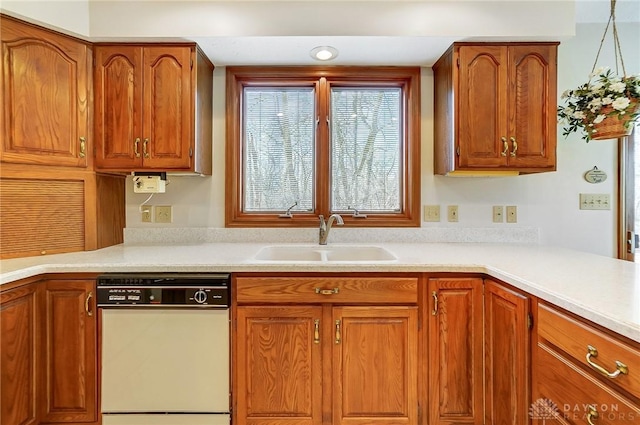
column 135, row 147
column 145, row 144
column 593, row 414
column 327, row 291
column 316, row 331
column 338, row 333
column 505, row 146
column 83, row 147
column 515, row 146
column 434, row 294
column 621, row 368
column 87, row 304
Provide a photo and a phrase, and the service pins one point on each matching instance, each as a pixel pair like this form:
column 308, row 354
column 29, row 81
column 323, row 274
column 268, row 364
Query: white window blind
column 278, row 149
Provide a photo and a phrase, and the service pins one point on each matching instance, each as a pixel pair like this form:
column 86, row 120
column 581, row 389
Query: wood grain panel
column 375, row 365
column 506, row 355
column 110, row 209
column 41, row 216
column 167, row 113
column 573, row 337
column 572, row 391
column 388, row 290
column 456, row 352
column 279, row 370
column 69, row 391
column 18, row 355
column 45, row 96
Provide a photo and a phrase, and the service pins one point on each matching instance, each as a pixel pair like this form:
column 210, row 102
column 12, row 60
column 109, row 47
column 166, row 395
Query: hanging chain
column 617, row 51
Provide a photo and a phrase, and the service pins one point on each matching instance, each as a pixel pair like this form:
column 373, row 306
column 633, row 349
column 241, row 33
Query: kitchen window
column 306, row 141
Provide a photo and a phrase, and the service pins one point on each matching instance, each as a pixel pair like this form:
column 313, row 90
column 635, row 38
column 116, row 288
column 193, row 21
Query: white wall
column 549, row 201
column 70, row 17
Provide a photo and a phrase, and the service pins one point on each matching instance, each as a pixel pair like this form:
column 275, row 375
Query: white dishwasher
column 164, row 349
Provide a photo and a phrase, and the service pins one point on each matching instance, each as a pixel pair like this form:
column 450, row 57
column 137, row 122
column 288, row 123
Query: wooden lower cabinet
column 583, row 374
column 49, row 356
column 479, row 344
column 70, row 353
column 19, row 348
column 455, row 351
column 334, row 362
column 507, row 355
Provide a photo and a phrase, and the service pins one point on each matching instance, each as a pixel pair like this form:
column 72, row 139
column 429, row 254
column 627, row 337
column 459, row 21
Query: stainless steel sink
column 324, row 253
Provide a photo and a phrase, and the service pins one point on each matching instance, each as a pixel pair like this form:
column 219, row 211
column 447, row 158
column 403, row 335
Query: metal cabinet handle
column 87, row 304
column 515, row 146
column 327, row 291
column 83, row 147
column 592, row 414
column 136, row 144
column 145, row 144
column 338, row 332
column 316, row 331
column 434, row 294
column 621, row 368
column 505, row 146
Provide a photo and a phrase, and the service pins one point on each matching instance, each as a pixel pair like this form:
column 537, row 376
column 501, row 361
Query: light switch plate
column 162, row 213
column 595, row 201
column 432, row 213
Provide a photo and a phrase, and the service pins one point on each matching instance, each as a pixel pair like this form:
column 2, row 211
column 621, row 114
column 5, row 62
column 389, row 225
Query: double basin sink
column 324, row 253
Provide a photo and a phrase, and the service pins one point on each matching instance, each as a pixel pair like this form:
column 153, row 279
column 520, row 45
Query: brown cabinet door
column 532, row 106
column 482, row 106
column 167, row 129
column 45, row 97
column 507, row 355
column 278, row 366
column 118, row 107
column 374, row 365
column 69, row 393
column 19, row 348
column 455, row 351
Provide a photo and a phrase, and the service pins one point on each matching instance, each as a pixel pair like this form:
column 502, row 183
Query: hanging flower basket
column 606, row 106
column 603, row 108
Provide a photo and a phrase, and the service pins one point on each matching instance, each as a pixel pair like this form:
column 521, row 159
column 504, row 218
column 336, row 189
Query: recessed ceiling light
column 324, row 53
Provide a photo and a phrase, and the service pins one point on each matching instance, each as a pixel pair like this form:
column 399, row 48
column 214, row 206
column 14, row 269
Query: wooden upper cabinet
column 45, row 97
column 153, row 108
column 495, row 108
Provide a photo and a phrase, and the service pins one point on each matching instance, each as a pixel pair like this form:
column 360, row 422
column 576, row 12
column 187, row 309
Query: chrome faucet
column 325, row 227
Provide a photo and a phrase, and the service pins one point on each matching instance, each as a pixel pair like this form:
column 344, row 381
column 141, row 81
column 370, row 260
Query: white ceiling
column 365, row 32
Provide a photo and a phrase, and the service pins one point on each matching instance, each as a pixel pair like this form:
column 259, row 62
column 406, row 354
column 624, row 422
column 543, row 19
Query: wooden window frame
column 408, row 78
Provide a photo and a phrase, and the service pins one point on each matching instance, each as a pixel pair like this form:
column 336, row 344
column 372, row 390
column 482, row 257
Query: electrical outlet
column 162, row 213
column 512, row 214
column 452, row 213
column 146, row 214
column 595, row 201
column 498, row 214
column 432, row 213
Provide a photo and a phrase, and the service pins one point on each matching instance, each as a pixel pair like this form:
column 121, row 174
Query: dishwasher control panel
column 175, row 290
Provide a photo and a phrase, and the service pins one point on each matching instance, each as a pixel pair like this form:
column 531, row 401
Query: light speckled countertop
column 601, row 289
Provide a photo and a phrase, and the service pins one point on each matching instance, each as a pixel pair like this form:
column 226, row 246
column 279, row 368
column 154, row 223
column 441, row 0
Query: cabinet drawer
column 575, row 393
column 574, row 338
column 347, row 290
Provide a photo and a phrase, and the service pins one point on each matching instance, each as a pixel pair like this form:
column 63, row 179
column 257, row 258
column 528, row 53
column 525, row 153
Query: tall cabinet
column 495, row 108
